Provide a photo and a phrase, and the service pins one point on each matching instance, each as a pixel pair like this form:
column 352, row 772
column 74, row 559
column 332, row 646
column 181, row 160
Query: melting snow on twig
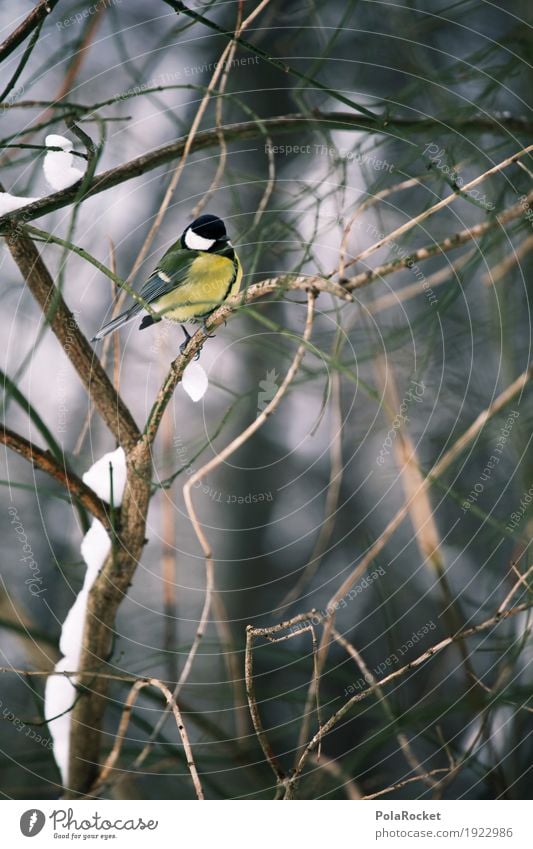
column 58, row 171
column 57, row 167
column 194, row 381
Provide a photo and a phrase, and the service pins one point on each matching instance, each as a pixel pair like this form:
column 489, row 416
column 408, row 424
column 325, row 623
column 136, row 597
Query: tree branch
column 498, row 617
column 44, row 461
column 233, row 132
column 448, row 244
column 100, row 389
column 105, row 597
column 38, row 14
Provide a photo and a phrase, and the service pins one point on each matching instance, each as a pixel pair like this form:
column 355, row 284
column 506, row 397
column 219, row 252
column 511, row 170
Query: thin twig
column 123, row 726
column 414, row 222
column 426, row 777
column 436, row 248
column 30, row 22
column 202, row 473
column 269, row 632
column 446, row 460
column 427, row 655
column 223, row 455
column 522, row 582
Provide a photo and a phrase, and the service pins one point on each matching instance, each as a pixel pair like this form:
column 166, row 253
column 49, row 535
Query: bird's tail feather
column 117, row 322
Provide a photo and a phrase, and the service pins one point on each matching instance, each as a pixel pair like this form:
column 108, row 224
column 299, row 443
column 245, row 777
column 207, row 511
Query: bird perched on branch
column 195, row 276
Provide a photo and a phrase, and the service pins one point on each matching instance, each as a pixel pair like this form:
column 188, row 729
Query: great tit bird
column 197, row 274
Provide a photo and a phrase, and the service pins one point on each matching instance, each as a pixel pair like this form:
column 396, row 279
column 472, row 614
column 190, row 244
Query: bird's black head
column 206, row 233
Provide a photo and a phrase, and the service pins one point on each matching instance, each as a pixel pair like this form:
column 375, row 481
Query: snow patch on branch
column 9, row 202
column 106, row 477
column 58, row 170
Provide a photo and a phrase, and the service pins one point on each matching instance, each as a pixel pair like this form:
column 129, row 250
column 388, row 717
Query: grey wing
column 169, row 275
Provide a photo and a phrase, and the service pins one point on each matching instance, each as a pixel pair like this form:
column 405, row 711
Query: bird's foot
column 206, row 331
column 187, row 339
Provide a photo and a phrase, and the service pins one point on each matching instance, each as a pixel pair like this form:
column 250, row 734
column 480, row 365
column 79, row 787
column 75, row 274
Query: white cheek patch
column 197, row 243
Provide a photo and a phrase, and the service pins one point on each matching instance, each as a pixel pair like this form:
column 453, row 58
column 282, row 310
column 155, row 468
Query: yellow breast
column 211, row 279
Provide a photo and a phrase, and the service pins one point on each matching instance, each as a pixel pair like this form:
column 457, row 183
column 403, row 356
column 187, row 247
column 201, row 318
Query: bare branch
column 123, row 727
column 44, row 461
column 201, row 473
column 105, row 596
column 441, row 204
column 448, row 244
column 63, row 323
column 30, row 22
column 203, row 140
column 427, row 655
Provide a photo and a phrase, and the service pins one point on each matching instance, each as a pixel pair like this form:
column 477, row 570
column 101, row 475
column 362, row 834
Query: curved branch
column 498, row 617
column 112, row 758
column 30, row 22
column 198, row 475
column 242, row 130
column 64, row 325
column 105, row 597
column 44, row 461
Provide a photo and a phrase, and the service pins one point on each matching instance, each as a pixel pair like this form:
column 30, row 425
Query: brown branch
column 397, row 296
column 257, row 290
column 260, row 733
column 64, row 325
column 438, row 468
column 123, row 727
column 441, row 204
column 448, row 244
column 209, row 138
column 45, row 461
column 30, row 22
column 302, row 283
column 202, row 473
column 427, row 655
column 105, row 596
column 268, row 632
column 426, row 777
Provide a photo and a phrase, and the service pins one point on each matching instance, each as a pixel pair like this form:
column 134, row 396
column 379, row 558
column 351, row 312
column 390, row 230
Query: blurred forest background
column 390, row 383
